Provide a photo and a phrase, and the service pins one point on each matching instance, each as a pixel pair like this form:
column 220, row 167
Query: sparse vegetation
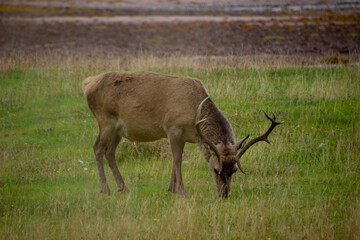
column 304, row 186
column 335, row 60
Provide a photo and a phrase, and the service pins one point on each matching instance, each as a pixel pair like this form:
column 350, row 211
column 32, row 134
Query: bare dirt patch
column 221, row 28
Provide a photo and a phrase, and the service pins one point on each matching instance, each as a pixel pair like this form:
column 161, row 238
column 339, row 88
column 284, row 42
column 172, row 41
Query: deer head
column 226, row 158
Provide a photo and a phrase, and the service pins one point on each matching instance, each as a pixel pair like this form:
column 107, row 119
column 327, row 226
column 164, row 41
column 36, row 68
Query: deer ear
column 240, row 144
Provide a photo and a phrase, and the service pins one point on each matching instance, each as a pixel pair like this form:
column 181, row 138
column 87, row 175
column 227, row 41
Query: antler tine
column 244, row 140
column 273, row 120
column 239, row 166
column 198, row 113
column 201, row 121
column 263, row 137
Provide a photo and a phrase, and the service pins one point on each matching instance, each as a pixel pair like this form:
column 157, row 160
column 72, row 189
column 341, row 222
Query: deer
column 146, row 106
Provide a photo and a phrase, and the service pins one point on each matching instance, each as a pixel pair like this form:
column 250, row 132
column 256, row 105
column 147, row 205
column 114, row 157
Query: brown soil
column 37, row 28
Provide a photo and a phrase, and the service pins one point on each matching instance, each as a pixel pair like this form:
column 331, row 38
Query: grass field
column 304, row 186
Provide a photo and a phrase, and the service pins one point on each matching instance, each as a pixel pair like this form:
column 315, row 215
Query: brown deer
column 144, row 106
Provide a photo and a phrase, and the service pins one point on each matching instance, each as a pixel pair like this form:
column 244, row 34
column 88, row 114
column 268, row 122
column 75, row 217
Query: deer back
column 146, row 103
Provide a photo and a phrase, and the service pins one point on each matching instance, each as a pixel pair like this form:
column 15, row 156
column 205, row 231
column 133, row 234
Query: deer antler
column 243, row 141
column 203, row 139
column 263, row 137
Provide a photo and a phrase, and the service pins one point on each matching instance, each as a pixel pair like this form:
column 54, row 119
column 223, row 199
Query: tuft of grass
column 305, row 185
column 335, row 60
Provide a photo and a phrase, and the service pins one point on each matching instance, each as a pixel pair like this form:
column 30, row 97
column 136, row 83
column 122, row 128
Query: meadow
column 303, row 186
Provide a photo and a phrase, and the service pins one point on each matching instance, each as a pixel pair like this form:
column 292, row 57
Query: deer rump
column 144, row 106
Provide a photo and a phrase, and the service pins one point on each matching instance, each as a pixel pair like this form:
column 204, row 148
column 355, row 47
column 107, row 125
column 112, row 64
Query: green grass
column 304, row 186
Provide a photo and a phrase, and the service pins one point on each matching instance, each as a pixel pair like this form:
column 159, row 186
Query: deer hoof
column 179, row 192
column 124, row 189
column 182, row 193
column 105, row 190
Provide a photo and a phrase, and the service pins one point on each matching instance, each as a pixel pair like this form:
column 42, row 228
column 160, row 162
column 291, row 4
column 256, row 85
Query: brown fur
column 144, row 106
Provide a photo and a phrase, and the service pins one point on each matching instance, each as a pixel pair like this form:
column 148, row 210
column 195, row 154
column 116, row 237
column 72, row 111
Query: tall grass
column 304, row 186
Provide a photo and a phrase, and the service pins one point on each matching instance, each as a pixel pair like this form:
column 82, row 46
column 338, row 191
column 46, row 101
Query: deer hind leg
column 110, row 156
column 177, row 147
column 100, row 147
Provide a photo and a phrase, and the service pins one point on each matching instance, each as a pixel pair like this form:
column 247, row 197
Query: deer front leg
column 176, row 185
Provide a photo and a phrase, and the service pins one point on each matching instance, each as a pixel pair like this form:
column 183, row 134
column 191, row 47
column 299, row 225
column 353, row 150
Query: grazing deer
column 144, row 106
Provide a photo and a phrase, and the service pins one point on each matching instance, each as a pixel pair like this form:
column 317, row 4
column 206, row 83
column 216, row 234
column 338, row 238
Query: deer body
column 143, row 106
